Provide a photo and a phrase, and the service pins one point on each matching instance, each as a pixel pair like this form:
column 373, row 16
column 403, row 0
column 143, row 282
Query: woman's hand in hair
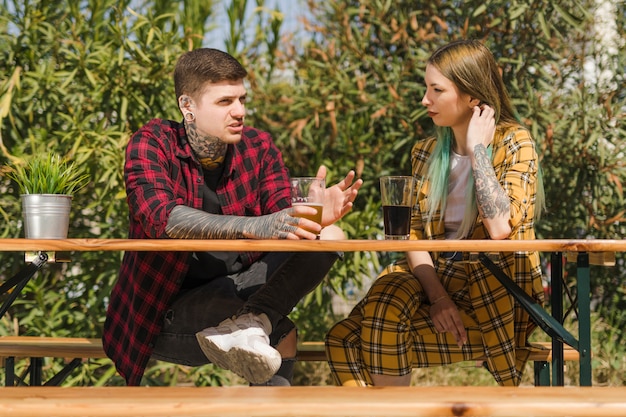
column 481, row 128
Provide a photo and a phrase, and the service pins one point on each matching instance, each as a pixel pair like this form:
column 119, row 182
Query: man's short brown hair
column 195, row 68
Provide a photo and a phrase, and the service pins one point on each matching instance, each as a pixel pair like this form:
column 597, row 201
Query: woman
column 477, row 179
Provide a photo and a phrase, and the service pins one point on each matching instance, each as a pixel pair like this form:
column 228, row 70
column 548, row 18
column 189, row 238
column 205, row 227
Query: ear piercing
column 190, row 117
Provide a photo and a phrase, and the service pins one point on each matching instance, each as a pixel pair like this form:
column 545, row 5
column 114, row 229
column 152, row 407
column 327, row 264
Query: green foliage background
column 78, row 77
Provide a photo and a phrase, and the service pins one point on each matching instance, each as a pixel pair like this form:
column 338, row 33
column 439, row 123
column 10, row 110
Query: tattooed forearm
column 491, row 199
column 188, row 223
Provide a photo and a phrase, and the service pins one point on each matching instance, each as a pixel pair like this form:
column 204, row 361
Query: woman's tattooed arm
column 188, row 223
column 491, row 199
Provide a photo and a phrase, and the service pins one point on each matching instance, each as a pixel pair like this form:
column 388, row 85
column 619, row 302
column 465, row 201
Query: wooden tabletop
column 350, row 245
column 313, row 401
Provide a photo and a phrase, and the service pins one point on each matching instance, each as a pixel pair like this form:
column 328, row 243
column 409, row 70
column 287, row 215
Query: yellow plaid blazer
column 515, row 162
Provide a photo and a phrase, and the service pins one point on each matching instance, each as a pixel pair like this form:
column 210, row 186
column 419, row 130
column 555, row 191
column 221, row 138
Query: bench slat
column 80, row 347
column 539, row 351
column 314, row 401
column 50, row 347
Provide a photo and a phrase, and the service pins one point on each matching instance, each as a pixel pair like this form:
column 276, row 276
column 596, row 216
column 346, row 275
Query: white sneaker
column 242, row 345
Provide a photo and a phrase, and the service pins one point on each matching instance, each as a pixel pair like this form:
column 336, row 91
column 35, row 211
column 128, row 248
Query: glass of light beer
column 309, row 191
column 397, row 198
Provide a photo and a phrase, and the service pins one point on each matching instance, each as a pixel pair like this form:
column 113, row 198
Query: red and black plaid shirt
column 161, row 173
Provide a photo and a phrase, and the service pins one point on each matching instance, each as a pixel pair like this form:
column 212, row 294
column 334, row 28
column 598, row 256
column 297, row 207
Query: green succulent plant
column 49, row 174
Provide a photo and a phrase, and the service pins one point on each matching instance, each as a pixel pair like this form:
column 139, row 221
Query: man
column 212, row 177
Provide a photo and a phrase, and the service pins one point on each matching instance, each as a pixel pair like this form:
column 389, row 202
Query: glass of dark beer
column 397, row 197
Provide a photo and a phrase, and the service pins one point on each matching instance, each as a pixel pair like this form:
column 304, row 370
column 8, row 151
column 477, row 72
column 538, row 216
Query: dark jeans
column 273, row 285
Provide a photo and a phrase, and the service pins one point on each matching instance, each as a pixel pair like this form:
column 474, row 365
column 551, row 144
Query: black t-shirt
column 208, row 265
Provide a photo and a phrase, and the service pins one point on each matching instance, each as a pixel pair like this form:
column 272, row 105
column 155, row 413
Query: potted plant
column 47, row 184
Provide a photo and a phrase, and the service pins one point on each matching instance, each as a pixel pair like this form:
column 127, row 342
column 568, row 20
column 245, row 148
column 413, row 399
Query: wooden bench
column 37, row 348
column 540, row 353
column 79, row 348
column 313, row 401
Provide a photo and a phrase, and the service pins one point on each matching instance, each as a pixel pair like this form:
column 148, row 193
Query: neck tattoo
column 210, row 150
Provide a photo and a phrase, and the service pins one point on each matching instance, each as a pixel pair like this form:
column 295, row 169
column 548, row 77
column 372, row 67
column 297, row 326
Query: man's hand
column 338, row 199
column 282, row 225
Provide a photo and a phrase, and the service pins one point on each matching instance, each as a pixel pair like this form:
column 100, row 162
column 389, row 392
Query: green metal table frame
column 553, row 324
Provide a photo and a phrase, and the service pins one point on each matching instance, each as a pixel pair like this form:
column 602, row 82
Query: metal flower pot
column 46, row 216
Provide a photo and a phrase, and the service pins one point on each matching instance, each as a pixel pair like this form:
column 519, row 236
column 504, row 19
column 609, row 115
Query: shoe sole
column 253, row 366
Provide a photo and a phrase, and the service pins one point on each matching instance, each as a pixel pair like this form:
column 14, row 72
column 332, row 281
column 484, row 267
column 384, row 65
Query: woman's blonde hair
column 471, row 66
